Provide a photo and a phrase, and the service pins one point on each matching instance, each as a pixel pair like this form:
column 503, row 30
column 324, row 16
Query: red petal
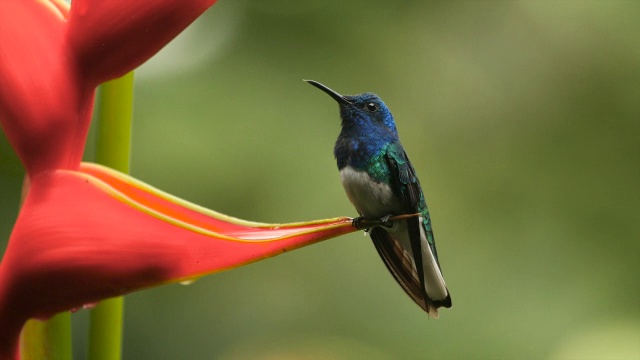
column 111, row 38
column 42, row 110
column 51, row 59
column 83, row 237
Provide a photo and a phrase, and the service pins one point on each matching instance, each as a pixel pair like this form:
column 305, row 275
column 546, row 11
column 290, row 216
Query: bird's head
column 362, row 111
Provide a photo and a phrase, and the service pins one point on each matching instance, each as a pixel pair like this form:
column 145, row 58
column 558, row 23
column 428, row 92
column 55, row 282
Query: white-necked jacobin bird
column 380, row 182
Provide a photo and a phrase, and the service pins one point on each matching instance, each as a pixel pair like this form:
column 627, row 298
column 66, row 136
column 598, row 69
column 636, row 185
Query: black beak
column 337, row 97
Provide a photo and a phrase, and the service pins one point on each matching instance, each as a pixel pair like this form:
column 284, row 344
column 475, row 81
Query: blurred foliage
column 521, row 118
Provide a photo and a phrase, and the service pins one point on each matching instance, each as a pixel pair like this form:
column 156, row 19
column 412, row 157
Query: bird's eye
column 372, row 107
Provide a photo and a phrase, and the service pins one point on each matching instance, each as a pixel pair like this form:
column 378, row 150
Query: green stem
column 49, row 339
column 113, row 149
column 105, row 334
column 115, row 115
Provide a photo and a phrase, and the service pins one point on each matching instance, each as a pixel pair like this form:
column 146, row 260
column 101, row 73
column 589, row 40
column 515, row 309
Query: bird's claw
column 357, row 223
column 386, row 221
column 365, row 224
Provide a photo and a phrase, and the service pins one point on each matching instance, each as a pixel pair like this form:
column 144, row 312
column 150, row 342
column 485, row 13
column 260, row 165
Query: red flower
column 86, row 232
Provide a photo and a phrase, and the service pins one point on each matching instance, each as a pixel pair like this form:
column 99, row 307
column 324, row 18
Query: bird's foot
column 358, row 223
column 386, row 221
column 365, row 224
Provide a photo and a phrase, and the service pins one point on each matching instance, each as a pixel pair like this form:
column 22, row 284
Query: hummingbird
column 381, row 183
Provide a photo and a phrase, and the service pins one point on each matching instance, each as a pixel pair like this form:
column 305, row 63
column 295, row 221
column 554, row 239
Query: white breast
column 371, row 198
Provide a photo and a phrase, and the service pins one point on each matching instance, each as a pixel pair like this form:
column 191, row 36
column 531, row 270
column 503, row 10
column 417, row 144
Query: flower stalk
column 113, row 149
column 45, row 340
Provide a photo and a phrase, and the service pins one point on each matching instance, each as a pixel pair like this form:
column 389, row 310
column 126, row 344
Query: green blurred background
column 522, row 120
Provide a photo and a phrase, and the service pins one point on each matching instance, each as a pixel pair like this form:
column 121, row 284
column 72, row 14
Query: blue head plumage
column 367, row 127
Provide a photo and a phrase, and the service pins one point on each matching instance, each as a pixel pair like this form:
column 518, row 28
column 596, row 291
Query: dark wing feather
column 399, row 265
column 408, row 189
column 406, row 186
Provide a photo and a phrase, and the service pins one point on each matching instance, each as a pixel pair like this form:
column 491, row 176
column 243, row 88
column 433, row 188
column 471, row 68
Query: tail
column 407, row 248
column 436, row 289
